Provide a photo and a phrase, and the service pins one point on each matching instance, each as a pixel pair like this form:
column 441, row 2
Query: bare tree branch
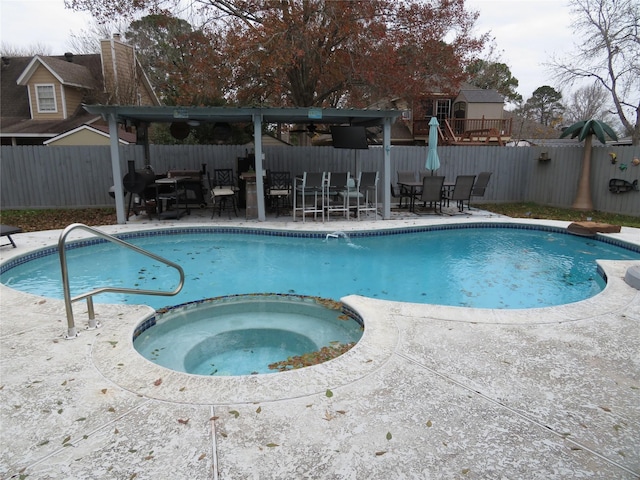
column 607, row 52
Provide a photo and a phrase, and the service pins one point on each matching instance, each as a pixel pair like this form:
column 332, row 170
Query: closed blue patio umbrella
column 433, row 161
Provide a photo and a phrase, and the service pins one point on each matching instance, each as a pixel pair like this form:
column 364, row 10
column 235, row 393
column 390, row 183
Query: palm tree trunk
column 583, row 196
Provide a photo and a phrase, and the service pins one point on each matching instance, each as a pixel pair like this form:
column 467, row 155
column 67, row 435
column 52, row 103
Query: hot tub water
column 244, row 334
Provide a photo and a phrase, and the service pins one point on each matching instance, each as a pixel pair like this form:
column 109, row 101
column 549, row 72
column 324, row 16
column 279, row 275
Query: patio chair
column 278, row 190
column 405, row 176
column 462, row 190
column 7, row 231
column 224, row 177
column 481, row 184
column 424, row 173
column 432, row 192
column 421, row 175
column 395, row 193
column 223, row 195
column 337, row 193
column 367, row 198
column 308, row 195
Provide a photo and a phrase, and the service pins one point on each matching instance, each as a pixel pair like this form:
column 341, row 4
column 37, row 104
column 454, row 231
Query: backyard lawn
column 532, row 210
column 35, row 220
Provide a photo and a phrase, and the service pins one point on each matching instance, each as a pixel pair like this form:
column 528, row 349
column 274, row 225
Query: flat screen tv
column 349, row 137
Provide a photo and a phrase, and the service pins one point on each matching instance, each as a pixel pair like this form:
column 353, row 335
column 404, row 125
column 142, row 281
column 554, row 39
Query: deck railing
column 461, row 125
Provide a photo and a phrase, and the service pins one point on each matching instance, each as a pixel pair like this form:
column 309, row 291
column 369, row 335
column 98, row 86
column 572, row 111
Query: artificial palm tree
column 585, row 130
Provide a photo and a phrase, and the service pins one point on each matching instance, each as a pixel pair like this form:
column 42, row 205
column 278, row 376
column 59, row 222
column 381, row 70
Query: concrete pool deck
column 429, row 392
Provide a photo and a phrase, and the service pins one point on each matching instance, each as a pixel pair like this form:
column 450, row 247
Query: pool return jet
column 344, row 236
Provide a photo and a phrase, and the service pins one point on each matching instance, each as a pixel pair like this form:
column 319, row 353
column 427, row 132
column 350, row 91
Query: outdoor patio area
column 429, row 392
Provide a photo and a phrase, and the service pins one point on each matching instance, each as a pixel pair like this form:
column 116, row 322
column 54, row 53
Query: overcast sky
column 527, row 32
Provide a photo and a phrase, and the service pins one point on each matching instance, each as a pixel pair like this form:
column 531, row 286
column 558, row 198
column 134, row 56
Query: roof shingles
column 77, row 71
column 70, row 73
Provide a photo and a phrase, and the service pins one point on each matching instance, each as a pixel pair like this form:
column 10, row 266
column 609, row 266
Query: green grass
column 35, row 220
column 532, row 210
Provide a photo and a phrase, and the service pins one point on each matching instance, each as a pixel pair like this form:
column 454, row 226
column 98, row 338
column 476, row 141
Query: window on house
column 460, row 110
column 459, row 115
column 426, row 106
column 439, row 108
column 46, row 98
column 443, row 110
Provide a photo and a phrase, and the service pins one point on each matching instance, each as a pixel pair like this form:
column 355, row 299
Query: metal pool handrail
column 71, row 330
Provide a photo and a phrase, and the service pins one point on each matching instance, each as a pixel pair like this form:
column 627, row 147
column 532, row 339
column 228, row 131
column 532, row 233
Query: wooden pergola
column 132, row 115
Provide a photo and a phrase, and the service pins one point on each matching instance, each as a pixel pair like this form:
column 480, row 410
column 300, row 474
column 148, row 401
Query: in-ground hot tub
column 247, row 334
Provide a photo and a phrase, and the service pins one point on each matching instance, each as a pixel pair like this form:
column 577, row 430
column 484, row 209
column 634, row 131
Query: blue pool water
column 243, row 335
column 470, row 267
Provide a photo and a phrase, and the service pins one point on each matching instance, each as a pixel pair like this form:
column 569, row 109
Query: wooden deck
column 484, row 131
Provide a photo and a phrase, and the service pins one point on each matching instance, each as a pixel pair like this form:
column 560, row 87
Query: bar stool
column 368, row 193
column 308, row 195
column 337, row 193
column 224, row 196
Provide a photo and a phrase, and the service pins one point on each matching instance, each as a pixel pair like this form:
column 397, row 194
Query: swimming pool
column 474, row 265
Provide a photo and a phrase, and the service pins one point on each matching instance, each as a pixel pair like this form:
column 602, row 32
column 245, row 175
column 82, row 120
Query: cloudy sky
column 527, row 32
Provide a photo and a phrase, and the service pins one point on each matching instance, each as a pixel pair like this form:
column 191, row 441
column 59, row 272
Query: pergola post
column 386, row 171
column 118, row 189
column 257, row 141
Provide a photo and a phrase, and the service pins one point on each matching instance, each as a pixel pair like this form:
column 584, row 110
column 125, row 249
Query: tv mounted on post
column 349, row 137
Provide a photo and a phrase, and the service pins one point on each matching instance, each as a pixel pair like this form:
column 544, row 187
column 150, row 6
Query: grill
column 193, row 185
column 140, row 183
column 137, row 181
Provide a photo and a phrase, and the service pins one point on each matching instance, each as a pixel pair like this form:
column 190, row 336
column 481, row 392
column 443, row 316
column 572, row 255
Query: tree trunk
column 635, row 133
column 583, row 196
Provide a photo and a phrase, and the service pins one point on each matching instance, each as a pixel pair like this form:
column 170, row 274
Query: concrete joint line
column 87, row 435
column 214, row 445
column 522, row 415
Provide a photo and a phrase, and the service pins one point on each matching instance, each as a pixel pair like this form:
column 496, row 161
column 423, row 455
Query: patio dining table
column 413, row 187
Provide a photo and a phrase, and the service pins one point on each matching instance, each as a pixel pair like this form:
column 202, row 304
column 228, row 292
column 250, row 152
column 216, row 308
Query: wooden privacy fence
column 39, row 177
